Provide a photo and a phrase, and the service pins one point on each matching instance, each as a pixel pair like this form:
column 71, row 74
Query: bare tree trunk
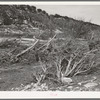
column 68, row 66
column 77, row 65
column 27, row 49
column 47, row 44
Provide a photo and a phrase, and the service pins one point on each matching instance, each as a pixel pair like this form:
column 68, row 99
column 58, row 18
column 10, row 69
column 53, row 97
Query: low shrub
column 9, row 43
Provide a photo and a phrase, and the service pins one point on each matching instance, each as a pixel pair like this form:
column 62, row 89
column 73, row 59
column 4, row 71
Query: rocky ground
column 21, row 79
column 88, row 83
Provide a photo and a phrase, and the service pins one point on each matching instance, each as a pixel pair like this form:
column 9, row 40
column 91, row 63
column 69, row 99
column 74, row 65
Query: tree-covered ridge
column 25, row 14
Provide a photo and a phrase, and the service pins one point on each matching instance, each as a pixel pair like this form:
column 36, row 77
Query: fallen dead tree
column 24, row 51
column 77, row 66
column 41, row 48
column 48, row 43
column 16, row 57
column 79, row 60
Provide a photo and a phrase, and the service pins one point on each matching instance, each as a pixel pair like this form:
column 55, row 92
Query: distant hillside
column 29, row 16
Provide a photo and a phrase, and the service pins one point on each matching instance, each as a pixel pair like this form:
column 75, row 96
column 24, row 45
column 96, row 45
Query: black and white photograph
column 49, row 47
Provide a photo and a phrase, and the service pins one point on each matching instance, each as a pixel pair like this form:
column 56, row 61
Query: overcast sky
column 86, row 12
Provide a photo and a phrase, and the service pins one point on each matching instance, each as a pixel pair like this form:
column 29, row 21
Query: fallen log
column 47, row 44
column 27, row 49
column 31, row 47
